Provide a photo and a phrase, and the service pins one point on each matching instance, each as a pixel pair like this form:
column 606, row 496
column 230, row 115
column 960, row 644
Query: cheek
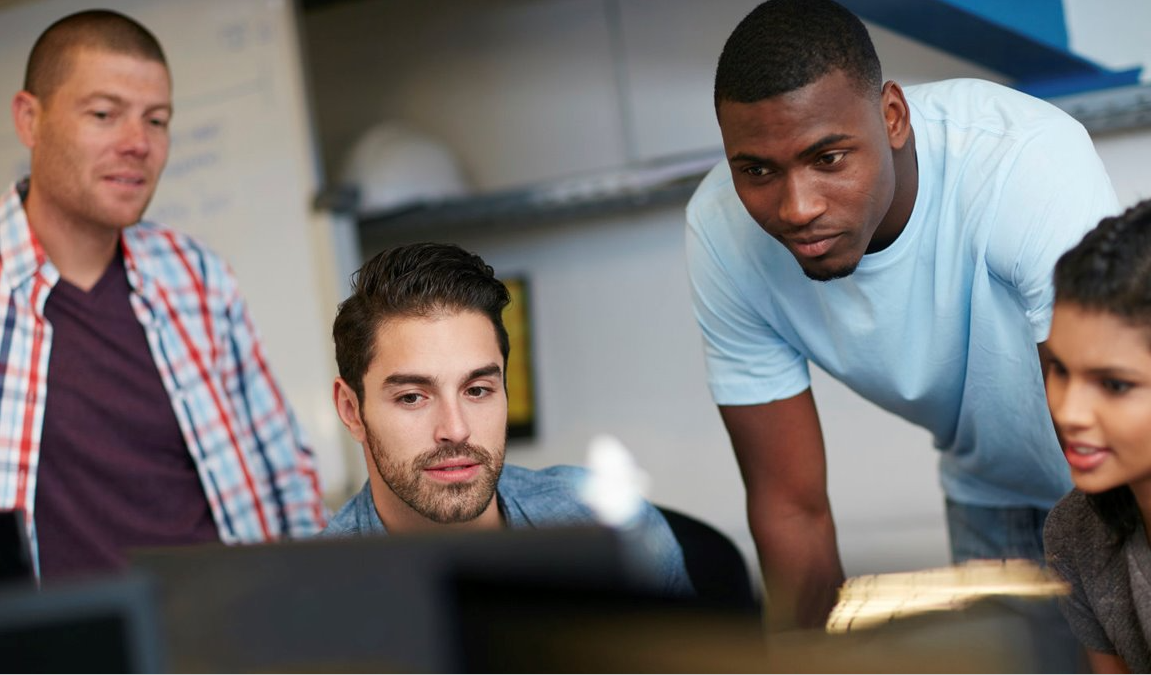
column 760, row 204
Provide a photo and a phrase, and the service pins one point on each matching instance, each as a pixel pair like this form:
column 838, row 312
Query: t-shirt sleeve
column 1052, row 192
column 748, row 362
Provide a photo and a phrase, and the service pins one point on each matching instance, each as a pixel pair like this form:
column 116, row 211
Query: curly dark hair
column 784, row 45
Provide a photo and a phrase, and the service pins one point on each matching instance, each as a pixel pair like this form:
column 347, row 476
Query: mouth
column 1084, row 456
column 461, row 469
column 813, row 247
column 126, row 180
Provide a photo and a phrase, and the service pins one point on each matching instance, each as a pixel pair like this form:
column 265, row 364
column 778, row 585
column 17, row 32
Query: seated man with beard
column 421, row 349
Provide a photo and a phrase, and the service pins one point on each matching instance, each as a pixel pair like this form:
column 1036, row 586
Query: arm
column 779, row 448
column 1101, row 662
column 277, row 441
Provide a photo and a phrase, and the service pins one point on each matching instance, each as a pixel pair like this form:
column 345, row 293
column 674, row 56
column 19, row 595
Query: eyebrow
column 120, row 101
column 1118, row 372
column 400, row 379
column 813, row 149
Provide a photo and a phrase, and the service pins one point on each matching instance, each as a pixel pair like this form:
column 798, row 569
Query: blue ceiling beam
column 1025, row 40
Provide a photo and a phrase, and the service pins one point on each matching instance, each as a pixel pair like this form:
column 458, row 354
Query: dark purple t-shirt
column 114, row 470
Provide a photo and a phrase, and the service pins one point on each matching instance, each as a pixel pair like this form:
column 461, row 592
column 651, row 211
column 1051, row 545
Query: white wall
column 529, row 90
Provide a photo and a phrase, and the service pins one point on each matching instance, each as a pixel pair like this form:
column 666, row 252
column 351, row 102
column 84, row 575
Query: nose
column 800, row 202
column 135, row 137
column 452, row 424
column 1070, row 404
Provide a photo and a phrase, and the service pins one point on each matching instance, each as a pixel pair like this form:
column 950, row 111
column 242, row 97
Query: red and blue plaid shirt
column 257, row 472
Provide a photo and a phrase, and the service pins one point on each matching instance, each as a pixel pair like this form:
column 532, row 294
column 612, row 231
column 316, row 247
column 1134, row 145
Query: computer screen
column 91, row 626
column 15, row 552
column 354, row 604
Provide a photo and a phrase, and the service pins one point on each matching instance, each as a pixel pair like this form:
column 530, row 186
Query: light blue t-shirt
column 941, row 327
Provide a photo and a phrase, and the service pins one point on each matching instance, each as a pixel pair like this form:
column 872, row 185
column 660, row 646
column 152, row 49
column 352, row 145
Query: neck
column 81, row 254
column 903, row 202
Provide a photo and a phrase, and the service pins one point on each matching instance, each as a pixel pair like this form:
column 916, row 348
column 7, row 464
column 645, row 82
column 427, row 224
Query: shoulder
column 343, row 523
column 1073, row 531
column 521, row 481
column 715, row 200
column 988, row 106
column 545, row 497
column 162, row 248
column 356, row 517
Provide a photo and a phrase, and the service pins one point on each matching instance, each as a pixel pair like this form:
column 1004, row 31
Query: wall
column 530, row 90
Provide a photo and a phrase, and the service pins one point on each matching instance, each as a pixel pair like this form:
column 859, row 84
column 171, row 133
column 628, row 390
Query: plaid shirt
column 259, row 476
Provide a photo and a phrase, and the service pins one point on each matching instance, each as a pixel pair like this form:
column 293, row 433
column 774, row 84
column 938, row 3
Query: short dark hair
column 100, row 29
column 1109, row 270
column 784, row 45
column 415, row 280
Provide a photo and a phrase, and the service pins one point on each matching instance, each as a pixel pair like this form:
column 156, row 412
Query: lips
column 1084, row 457
column 127, row 180
column 813, row 247
column 458, row 470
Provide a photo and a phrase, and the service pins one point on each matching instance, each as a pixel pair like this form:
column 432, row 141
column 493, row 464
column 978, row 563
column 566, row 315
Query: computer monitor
column 93, row 626
column 15, row 552
column 355, row 604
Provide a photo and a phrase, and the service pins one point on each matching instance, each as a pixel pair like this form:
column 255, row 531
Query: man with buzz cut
column 422, row 351
column 136, row 404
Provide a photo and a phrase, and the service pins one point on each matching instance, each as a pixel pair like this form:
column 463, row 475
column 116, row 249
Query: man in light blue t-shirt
column 903, row 241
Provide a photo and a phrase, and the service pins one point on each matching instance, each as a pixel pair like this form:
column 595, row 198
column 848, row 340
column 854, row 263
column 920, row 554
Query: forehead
column 1081, row 334
column 90, row 69
column 441, row 346
column 830, row 105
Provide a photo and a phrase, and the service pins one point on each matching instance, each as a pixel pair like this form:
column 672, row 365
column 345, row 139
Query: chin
column 830, row 273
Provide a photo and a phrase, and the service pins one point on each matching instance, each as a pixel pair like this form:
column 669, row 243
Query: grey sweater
column 1109, row 607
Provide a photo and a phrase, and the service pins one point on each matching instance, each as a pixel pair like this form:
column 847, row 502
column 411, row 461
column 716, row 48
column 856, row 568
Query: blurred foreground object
column 616, row 487
column 870, row 600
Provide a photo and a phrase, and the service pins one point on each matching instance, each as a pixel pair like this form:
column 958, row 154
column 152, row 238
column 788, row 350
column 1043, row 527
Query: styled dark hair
column 416, row 280
column 1110, row 271
column 99, row 29
column 784, row 45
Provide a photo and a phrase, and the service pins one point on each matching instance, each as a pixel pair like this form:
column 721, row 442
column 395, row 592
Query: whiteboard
column 240, row 176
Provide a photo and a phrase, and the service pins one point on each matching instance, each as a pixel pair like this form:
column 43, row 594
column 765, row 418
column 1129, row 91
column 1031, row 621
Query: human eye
column 478, row 391
column 757, row 171
column 410, row 399
column 159, row 122
column 1115, row 386
column 101, row 114
column 828, row 159
column 1056, row 369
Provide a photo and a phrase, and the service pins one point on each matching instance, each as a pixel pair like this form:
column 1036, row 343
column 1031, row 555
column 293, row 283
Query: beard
column 440, row 503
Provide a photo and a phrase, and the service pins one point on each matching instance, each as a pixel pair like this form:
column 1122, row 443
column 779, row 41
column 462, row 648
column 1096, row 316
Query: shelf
column 650, row 184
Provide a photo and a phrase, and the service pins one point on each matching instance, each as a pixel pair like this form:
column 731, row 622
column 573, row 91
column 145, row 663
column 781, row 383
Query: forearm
column 779, row 447
column 800, row 563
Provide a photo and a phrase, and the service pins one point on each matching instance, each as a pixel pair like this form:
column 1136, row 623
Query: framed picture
column 520, row 371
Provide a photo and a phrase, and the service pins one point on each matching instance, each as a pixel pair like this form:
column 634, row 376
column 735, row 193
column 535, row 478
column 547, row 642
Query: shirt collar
column 20, row 250
column 23, row 256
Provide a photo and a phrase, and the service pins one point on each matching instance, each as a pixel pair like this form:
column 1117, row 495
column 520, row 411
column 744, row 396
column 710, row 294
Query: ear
column 26, row 115
column 348, row 408
column 896, row 115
